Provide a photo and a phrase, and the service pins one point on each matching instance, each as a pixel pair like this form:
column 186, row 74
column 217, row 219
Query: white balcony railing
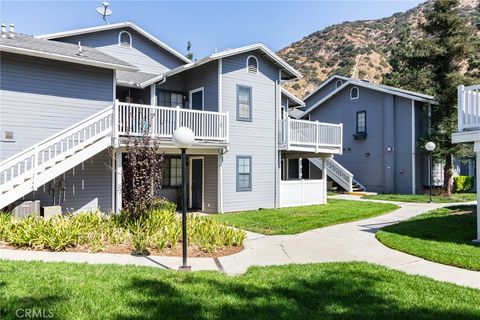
column 310, row 134
column 468, row 108
column 161, row 122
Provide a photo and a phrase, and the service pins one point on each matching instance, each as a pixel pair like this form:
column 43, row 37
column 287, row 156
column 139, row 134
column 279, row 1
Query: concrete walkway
column 354, row 241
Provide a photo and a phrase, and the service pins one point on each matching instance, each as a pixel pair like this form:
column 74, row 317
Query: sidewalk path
column 354, row 241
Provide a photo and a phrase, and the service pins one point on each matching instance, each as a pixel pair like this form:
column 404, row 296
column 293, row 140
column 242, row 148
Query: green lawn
column 443, row 235
column 315, row 291
column 456, row 197
column 300, row 219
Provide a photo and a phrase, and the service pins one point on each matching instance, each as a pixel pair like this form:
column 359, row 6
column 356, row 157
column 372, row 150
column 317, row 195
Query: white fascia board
column 59, row 57
column 364, row 84
column 326, row 98
column 292, row 97
column 262, row 47
column 324, row 83
column 395, row 91
column 116, row 26
column 220, row 55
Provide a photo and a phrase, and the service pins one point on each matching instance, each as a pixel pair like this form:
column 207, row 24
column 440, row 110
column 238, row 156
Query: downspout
column 277, row 157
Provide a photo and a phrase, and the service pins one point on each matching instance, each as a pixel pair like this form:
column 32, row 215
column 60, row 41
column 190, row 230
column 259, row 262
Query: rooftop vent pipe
column 4, row 30
column 12, row 31
column 80, row 49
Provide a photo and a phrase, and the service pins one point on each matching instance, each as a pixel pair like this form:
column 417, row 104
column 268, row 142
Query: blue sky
column 209, row 25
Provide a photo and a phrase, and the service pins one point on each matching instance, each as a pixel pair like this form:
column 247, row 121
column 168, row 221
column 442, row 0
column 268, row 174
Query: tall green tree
column 436, row 64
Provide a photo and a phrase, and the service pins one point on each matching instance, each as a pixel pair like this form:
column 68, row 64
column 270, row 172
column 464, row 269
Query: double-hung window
column 361, row 122
column 172, row 174
column 244, row 173
column 244, row 103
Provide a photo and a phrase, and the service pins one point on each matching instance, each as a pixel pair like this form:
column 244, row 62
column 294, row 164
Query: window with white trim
column 244, row 173
column 354, row 93
column 172, row 174
column 244, row 103
column 252, row 65
column 124, row 39
column 338, row 84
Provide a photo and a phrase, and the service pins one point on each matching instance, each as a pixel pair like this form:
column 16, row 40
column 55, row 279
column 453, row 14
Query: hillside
column 358, row 49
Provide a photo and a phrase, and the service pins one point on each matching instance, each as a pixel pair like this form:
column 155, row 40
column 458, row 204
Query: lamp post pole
column 430, row 146
column 431, row 176
column 184, row 138
column 184, row 211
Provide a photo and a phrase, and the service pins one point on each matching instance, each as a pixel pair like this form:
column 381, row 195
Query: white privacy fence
column 468, row 107
column 136, row 119
column 310, row 133
column 302, row 192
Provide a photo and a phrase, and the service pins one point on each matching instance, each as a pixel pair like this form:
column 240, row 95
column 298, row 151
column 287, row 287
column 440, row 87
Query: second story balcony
column 310, row 136
column 210, row 128
column 468, row 114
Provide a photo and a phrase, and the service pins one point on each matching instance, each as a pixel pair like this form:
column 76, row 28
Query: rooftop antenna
column 104, row 11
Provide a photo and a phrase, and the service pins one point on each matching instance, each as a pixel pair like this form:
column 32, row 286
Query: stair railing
column 28, row 163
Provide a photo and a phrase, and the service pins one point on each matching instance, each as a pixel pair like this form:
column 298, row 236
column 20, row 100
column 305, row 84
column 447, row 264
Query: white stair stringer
column 337, row 173
column 44, row 161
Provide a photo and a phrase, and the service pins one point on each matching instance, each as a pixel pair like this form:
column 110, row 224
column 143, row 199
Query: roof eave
column 59, row 57
column 365, row 85
column 259, row 46
column 115, row 26
column 293, row 98
column 324, row 83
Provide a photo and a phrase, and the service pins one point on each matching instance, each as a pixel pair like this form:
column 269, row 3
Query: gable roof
column 30, row 46
column 324, row 83
column 127, row 24
column 293, row 98
column 378, row 87
column 286, row 68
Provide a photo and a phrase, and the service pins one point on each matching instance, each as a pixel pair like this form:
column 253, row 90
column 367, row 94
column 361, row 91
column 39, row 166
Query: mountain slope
column 358, row 49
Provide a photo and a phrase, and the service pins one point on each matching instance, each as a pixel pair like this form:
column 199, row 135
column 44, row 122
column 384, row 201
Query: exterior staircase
column 46, row 160
column 339, row 174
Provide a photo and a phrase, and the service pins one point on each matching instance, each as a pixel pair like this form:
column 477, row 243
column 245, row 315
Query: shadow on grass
column 330, row 294
column 456, row 226
column 27, row 306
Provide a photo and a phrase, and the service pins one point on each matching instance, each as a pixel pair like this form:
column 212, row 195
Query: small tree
column 142, row 171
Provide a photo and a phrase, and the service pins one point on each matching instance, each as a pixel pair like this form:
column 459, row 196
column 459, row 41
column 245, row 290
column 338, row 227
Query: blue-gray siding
column 255, row 138
column 40, row 97
column 389, row 125
column 205, row 76
column 320, row 94
column 88, row 186
column 144, row 54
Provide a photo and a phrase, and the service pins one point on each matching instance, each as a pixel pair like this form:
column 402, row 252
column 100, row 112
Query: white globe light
column 183, row 137
column 430, row 146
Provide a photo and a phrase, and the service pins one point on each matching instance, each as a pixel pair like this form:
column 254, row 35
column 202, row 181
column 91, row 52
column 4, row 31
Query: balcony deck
column 210, row 128
column 310, row 136
column 468, row 115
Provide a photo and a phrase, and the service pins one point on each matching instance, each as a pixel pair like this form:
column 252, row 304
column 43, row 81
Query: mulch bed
column 193, row 251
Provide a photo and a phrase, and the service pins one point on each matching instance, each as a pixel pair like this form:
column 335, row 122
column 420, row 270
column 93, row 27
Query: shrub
column 155, row 229
column 462, row 184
